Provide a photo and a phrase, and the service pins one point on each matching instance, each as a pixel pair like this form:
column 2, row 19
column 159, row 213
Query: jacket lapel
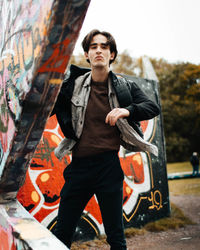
column 122, row 90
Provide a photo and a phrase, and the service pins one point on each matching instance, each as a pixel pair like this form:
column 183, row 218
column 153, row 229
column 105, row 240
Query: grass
column 185, row 186
column 179, row 167
column 189, row 186
column 176, row 220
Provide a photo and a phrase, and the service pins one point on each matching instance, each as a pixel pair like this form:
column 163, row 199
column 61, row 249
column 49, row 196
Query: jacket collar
column 87, row 79
column 113, row 82
column 78, row 71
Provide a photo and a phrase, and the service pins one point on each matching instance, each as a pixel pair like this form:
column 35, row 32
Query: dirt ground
column 187, row 238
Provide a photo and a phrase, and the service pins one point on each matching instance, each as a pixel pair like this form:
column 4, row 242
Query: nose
column 98, row 49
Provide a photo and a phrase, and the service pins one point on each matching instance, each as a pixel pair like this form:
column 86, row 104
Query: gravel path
column 187, row 238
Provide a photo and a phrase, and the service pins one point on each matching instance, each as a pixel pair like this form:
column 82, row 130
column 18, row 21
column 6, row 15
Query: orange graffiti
column 40, row 194
column 144, row 125
column 93, row 208
column 132, row 166
column 58, row 60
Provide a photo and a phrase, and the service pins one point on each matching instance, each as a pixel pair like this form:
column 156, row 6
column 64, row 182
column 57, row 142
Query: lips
column 98, row 57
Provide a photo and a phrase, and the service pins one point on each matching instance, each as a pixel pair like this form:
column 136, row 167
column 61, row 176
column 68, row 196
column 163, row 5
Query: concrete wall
column 36, row 42
column 37, row 39
column 19, row 230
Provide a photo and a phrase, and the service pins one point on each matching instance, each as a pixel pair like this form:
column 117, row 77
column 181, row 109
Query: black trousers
column 100, row 175
column 195, row 170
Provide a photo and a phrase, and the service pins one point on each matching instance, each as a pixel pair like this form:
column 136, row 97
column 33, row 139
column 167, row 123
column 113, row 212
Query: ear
column 112, row 55
column 86, row 55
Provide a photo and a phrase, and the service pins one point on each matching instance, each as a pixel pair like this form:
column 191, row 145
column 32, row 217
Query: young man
column 98, row 112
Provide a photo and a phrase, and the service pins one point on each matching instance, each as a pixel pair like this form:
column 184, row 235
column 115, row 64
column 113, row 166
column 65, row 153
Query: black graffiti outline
column 45, row 152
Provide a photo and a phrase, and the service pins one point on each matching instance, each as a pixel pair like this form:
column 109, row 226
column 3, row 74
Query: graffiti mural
column 36, row 42
column 145, row 192
column 19, row 46
column 19, row 230
column 44, row 180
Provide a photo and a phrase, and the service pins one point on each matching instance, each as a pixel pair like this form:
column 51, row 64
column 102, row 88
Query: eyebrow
column 106, row 44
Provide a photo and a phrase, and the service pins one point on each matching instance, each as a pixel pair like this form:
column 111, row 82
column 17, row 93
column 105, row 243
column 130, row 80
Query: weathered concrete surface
column 36, row 42
column 19, row 230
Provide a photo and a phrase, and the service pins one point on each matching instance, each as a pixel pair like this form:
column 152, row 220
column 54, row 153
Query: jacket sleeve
column 59, row 102
column 142, row 108
column 64, row 94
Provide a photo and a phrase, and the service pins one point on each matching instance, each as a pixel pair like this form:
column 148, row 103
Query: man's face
column 99, row 53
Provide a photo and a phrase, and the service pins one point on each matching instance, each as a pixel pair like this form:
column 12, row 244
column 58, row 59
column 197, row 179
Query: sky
column 168, row 29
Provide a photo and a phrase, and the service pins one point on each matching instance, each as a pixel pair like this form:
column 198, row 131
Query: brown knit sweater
column 97, row 136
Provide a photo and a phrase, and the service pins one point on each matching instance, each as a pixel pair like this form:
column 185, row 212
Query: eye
column 104, row 46
column 93, row 46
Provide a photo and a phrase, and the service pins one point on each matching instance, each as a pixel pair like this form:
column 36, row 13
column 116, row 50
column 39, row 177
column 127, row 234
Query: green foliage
column 180, row 98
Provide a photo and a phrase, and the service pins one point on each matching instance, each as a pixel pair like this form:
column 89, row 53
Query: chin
column 99, row 65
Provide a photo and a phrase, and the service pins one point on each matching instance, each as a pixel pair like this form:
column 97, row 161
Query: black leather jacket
column 129, row 96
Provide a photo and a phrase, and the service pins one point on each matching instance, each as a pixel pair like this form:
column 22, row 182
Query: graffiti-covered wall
column 37, row 39
column 36, row 42
column 145, row 185
column 19, row 230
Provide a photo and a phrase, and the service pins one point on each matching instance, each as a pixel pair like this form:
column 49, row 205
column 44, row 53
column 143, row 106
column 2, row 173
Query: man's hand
column 115, row 114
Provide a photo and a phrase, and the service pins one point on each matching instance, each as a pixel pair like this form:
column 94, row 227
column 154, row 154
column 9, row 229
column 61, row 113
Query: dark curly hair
column 110, row 40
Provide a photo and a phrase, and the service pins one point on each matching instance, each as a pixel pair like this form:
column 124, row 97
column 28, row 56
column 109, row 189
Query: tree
column 180, row 98
column 125, row 64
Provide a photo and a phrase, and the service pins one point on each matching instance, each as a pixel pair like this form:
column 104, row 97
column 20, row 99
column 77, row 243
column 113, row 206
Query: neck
column 100, row 74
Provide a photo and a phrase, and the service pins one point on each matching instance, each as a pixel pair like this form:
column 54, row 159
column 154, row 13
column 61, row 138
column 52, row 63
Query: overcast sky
column 168, row 29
